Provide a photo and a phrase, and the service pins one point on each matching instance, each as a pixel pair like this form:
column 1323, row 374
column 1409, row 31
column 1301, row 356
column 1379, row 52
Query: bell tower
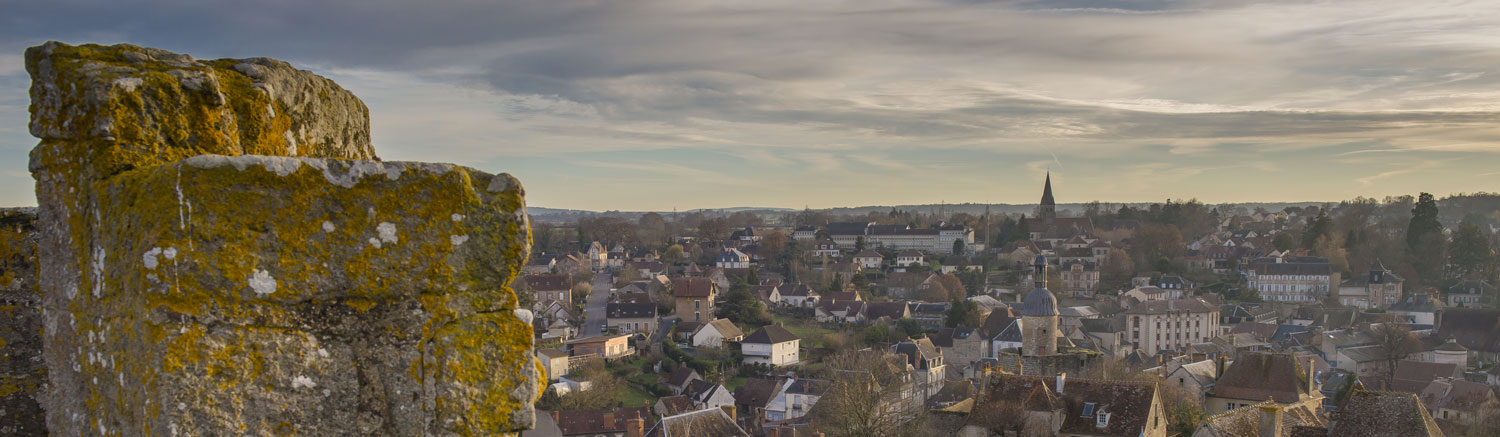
column 1039, row 314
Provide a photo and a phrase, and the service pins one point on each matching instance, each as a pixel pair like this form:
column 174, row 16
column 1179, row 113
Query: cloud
column 1192, row 85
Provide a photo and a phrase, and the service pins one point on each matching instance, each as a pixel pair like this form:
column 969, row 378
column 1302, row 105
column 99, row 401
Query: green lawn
column 734, row 383
column 647, row 379
column 809, row 331
column 629, row 396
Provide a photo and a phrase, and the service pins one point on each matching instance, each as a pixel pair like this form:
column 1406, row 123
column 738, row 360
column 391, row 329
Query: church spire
column 1047, row 191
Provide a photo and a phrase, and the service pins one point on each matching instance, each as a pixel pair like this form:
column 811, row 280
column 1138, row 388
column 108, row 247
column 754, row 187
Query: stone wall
column 21, row 371
column 221, row 254
column 1071, row 362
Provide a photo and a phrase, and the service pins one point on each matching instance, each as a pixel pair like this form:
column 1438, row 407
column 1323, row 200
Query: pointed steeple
column 1047, row 191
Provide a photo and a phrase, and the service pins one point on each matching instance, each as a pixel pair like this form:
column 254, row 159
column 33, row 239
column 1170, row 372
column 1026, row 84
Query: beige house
column 1174, row 324
column 608, row 347
column 1254, row 377
column 555, row 361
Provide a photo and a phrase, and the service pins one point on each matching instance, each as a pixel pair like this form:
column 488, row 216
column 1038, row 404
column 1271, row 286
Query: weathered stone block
column 152, row 106
column 268, row 294
column 22, row 372
column 191, row 286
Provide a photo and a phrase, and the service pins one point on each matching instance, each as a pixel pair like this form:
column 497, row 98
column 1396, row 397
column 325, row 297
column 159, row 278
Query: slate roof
column 893, row 310
column 1102, row 325
column 548, row 282
column 1262, row 330
column 676, row 404
column 756, row 392
column 692, row 287
column 1456, row 393
column 681, row 375
column 632, row 298
column 1414, row 376
column 1373, row 413
column 1472, row 286
column 996, row 322
column 868, row 253
column 590, row 422
column 1246, row 421
column 796, row 290
column 1476, row 329
column 1039, row 302
column 917, row 350
column 1192, row 305
column 805, row 386
column 630, row 310
column 1128, row 402
column 709, row 422
column 1260, row 375
column 1296, row 268
column 770, row 334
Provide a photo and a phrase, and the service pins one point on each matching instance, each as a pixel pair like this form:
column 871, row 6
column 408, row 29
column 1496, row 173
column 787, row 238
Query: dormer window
column 1102, row 420
column 1088, row 409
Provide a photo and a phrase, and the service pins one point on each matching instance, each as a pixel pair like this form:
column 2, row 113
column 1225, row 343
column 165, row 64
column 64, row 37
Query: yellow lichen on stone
column 199, row 286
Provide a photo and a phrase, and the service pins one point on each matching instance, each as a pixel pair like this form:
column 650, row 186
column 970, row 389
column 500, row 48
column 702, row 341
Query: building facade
column 1172, row 324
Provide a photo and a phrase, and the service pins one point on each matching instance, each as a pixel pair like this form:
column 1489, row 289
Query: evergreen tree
column 1319, row 227
column 1424, row 240
column 958, row 247
column 751, row 278
column 1470, row 255
column 859, row 244
column 741, row 307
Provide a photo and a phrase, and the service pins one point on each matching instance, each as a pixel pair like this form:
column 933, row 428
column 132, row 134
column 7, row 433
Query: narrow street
column 593, row 309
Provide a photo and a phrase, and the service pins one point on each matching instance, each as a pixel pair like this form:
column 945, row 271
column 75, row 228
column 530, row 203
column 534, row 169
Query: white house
column 772, row 345
column 706, row 395
column 798, row 295
column 794, row 398
column 732, row 259
column 716, row 332
column 868, row 259
column 909, row 257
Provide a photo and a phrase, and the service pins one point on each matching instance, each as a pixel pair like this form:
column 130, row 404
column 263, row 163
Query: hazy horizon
column 631, row 106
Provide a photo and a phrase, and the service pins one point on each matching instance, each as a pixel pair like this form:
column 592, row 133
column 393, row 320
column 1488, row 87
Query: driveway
column 593, row 309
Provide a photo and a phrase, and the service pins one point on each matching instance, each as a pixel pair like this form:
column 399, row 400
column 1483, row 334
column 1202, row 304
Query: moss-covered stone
column 193, row 285
column 21, row 371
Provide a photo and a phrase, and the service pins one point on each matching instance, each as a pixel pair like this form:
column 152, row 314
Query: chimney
column 733, row 415
column 1219, row 366
column 635, row 427
column 555, row 417
column 1062, row 379
column 817, row 433
column 1312, row 381
column 609, row 419
column 1270, row 420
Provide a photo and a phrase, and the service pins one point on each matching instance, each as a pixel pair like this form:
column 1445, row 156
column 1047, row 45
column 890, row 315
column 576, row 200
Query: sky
column 656, row 105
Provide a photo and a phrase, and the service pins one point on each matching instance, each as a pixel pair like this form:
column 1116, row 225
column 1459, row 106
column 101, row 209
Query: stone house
column 694, row 298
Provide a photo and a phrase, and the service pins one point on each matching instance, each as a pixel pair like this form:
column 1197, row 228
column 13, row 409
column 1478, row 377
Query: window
column 1088, row 409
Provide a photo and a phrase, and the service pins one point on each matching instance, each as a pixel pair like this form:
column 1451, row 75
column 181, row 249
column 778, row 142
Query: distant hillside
column 566, row 215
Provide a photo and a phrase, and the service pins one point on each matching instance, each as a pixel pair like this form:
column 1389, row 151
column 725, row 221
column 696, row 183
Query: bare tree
column 1397, row 342
column 867, row 397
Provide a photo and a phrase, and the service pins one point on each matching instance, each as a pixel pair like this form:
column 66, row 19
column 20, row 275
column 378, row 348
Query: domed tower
column 1039, row 315
column 1047, row 210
